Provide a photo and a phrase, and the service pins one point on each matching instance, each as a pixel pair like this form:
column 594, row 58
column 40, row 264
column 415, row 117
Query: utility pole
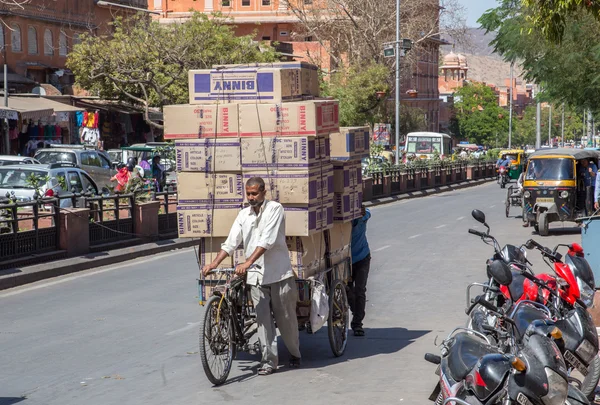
column 397, row 82
column 589, row 127
column 538, row 124
column 549, row 125
column 510, row 108
column 562, row 127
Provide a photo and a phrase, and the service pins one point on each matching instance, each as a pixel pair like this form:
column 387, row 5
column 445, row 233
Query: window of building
column 63, row 47
column 32, row 41
column 48, row 42
column 245, row 3
column 308, row 39
column 15, row 38
column 266, row 2
column 226, row 3
column 266, row 38
column 76, row 39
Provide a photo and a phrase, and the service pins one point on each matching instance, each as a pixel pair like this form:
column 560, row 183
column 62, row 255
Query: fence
column 405, row 179
column 82, row 222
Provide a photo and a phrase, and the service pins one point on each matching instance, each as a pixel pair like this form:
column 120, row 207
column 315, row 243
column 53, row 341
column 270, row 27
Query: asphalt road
column 129, row 334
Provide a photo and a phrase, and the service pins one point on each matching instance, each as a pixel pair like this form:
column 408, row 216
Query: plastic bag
column 319, row 306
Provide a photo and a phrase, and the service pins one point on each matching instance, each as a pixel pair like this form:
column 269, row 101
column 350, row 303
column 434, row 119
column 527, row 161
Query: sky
column 475, row 8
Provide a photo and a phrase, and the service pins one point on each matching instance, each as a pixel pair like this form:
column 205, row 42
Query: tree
column 524, row 132
column 567, row 71
column 354, row 31
column 146, row 63
column 356, row 89
column 479, row 118
column 552, row 17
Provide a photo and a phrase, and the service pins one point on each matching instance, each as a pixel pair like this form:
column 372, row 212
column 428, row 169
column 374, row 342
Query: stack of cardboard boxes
column 266, row 121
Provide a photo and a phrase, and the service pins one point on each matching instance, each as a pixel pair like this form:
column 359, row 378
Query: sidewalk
column 426, row 192
column 29, row 274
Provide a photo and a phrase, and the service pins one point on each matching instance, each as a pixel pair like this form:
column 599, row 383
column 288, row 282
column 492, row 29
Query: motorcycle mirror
column 479, row 216
column 500, row 272
column 529, row 244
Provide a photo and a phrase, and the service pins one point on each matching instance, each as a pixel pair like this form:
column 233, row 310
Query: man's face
column 255, row 196
column 584, row 163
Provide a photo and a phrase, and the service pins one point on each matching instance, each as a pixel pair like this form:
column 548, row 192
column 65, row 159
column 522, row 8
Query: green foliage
column 412, row 119
column 356, row 88
column 146, row 63
column 525, row 126
column 567, row 71
column 479, row 118
column 36, row 182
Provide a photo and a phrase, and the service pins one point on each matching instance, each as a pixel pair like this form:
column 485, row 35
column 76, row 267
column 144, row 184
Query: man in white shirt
column 261, row 227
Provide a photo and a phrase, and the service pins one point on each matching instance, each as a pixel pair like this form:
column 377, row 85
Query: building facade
column 36, row 38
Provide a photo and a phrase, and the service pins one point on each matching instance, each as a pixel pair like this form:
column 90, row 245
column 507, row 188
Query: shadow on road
column 11, row 400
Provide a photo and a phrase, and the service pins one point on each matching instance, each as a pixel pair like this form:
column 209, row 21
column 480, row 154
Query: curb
column 426, row 192
column 20, row 276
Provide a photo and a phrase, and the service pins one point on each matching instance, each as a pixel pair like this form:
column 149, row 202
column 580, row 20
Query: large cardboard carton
column 307, row 219
column 309, row 73
column 306, row 118
column 201, row 121
column 208, row 188
column 208, row 155
column 279, row 152
column 290, row 186
column 323, row 147
column 201, row 221
column 339, row 242
column 307, row 254
column 327, row 181
column 208, row 249
column 342, row 177
column 347, row 205
column 350, row 143
column 244, row 85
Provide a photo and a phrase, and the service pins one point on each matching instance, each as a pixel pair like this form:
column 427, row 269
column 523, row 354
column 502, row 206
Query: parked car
column 54, row 180
column 97, row 164
column 6, row 160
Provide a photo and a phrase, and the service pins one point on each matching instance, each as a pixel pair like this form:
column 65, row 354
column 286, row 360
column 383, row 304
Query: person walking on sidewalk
column 361, row 262
column 261, row 227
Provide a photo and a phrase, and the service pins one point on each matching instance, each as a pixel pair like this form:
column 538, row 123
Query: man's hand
column 207, row 269
column 241, row 269
column 596, row 205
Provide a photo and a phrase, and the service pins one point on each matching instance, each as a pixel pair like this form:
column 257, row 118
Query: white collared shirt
column 266, row 230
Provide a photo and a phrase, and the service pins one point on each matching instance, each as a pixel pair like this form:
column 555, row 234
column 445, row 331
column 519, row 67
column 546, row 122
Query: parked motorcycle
column 568, row 293
column 530, row 370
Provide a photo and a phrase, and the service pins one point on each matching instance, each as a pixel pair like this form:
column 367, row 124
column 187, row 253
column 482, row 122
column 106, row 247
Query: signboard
column 382, row 134
column 389, row 51
column 8, row 114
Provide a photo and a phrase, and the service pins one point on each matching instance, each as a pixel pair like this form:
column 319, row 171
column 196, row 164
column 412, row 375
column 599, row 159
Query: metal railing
column 28, row 227
column 111, row 217
column 167, row 215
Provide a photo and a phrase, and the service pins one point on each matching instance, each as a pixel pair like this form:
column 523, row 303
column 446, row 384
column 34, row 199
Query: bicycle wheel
column 216, row 340
column 338, row 321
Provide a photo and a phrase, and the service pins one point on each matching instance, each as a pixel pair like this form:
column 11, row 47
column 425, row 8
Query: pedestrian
column 361, row 262
column 268, row 270
column 122, row 177
column 158, row 172
column 588, row 172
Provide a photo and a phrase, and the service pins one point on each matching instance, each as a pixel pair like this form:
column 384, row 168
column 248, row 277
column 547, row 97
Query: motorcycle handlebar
column 478, row 233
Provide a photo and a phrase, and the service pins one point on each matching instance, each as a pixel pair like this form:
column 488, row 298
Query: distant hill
column 484, row 64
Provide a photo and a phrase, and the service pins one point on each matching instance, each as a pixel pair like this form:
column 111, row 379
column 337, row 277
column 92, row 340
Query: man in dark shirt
column 361, row 262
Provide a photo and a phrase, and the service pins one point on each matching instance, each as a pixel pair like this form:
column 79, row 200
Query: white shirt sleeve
column 274, row 221
column 235, row 236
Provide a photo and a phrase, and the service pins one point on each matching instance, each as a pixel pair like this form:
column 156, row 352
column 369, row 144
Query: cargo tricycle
column 229, row 319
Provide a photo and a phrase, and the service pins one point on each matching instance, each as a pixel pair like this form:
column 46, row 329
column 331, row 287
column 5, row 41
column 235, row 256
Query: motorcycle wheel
column 590, row 382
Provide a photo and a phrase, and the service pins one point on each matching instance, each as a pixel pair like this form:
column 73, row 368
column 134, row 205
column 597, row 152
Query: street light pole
column 510, row 110
column 538, row 124
column 562, row 127
column 549, row 125
column 397, row 126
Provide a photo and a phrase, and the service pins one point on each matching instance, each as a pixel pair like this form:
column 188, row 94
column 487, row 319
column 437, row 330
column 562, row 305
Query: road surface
column 128, row 334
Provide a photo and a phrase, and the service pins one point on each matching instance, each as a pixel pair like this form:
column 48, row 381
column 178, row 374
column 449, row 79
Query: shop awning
column 27, row 110
column 40, row 103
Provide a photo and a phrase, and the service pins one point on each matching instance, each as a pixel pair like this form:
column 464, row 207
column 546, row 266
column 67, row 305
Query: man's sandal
column 266, row 370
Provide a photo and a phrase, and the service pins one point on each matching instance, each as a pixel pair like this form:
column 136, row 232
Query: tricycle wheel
column 543, row 224
column 338, row 321
column 216, row 340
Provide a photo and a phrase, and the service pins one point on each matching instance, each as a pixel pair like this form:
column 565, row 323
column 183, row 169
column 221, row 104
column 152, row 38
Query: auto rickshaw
column 553, row 188
column 514, row 170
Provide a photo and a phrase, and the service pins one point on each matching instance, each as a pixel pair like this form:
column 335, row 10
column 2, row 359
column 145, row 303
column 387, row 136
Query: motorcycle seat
column 464, row 354
column 516, row 287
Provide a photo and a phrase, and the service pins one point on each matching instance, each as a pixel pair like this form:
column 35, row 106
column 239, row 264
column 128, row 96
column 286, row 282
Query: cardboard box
column 341, row 177
column 347, row 205
column 277, row 153
column 359, row 174
column 340, row 235
column 208, row 188
column 208, row 249
column 307, row 254
column 327, row 181
column 307, row 219
column 323, row 147
column 349, row 143
column 201, row 121
column 290, row 186
column 305, row 118
column 244, row 85
column 208, row 155
column 309, row 74
column 200, row 221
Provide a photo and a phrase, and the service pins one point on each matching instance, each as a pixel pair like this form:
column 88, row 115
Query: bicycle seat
column 464, row 354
